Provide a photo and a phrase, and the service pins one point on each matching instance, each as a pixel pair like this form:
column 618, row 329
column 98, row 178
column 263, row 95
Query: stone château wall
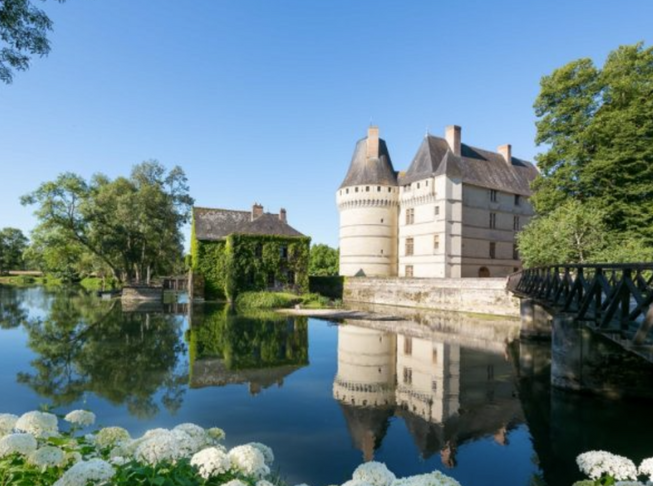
column 476, row 295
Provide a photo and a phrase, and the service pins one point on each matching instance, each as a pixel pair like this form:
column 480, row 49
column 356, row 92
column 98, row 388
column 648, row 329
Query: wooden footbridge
column 614, row 300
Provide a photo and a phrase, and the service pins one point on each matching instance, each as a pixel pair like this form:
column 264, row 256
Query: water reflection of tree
column 255, row 340
column 259, row 349
column 12, row 312
column 88, row 345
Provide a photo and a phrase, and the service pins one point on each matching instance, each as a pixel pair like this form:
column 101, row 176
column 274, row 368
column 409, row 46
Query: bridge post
column 535, row 321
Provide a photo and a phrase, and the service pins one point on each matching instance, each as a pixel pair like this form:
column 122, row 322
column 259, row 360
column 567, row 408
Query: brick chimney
column 506, row 152
column 453, row 137
column 282, row 216
column 373, row 142
column 257, row 211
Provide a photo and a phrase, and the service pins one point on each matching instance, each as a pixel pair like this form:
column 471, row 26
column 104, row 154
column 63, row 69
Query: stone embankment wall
column 477, row 295
column 142, row 293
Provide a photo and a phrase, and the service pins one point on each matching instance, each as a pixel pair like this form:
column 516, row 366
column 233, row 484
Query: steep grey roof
column 364, row 170
column 216, row 224
column 475, row 166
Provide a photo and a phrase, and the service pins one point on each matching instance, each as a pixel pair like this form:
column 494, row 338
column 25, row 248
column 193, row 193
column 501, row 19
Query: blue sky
column 264, row 100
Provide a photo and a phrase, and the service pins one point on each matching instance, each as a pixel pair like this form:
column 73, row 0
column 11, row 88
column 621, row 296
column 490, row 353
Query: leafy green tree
column 23, row 33
column 597, row 124
column 12, row 245
column 573, row 233
column 131, row 227
column 324, row 261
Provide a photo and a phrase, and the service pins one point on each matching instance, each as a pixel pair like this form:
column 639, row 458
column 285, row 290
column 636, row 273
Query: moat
column 446, row 391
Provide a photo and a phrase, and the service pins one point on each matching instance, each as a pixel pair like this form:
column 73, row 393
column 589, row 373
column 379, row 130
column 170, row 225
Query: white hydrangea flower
column 7, row 423
column 165, row 445
column 211, row 462
column 23, row 444
column 235, row 482
column 39, row 424
column 82, row 418
column 95, row 471
column 646, row 468
column 597, row 463
column 110, row 436
column 118, row 460
column 249, row 460
column 265, row 450
column 436, row 478
column 155, row 448
column 375, row 473
column 356, row 482
column 195, row 431
column 155, row 432
column 189, row 444
column 73, row 457
column 216, row 433
column 47, row 456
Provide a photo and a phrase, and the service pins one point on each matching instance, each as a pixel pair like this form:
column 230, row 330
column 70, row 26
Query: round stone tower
column 368, row 202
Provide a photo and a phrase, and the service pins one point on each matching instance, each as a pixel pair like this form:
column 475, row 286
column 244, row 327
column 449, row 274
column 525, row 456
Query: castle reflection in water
column 447, row 376
column 445, row 393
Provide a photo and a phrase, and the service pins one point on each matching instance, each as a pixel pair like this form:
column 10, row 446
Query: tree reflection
column 89, row 345
column 12, row 311
column 258, row 348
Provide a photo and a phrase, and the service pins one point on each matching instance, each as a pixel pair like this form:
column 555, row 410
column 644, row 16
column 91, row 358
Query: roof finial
column 426, row 135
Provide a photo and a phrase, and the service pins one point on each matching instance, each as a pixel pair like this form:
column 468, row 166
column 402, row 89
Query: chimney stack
column 453, row 136
column 257, row 211
column 282, row 216
column 373, row 142
column 506, row 152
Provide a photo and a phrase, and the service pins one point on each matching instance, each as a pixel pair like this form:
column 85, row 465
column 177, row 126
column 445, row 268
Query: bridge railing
column 616, row 297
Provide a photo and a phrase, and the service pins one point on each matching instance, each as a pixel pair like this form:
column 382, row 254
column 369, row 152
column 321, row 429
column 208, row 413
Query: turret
column 368, row 204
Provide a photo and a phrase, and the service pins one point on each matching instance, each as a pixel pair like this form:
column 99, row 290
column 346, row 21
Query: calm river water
column 443, row 391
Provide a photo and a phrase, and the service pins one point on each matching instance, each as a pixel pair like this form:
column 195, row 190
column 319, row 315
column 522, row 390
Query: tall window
column 515, row 223
column 493, row 220
column 410, row 245
column 515, row 252
column 493, row 195
column 409, row 270
column 410, row 215
column 517, row 200
column 436, row 243
column 437, row 210
column 408, row 376
column 493, row 249
column 408, row 345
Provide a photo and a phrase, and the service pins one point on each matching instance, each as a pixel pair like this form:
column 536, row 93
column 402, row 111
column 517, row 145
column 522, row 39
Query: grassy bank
column 280, row 300
column 25, row 280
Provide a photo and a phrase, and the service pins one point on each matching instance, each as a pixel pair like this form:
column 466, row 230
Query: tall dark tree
column 131, row 226
column 598, row 126
column 23, row 34
column 12, row 245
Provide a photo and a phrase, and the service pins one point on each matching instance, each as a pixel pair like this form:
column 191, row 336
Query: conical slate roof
column 474, row 166
column 370, row 170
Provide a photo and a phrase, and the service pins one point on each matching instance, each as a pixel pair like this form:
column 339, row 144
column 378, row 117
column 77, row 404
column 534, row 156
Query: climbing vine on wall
column 251, row 262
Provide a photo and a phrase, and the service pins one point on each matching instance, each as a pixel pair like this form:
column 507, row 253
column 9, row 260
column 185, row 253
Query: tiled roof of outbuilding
column 475, row 166
column 370, row 170
column 216, row 224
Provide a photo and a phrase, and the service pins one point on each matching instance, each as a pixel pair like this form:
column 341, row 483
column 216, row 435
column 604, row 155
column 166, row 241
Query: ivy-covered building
column 236, row 251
